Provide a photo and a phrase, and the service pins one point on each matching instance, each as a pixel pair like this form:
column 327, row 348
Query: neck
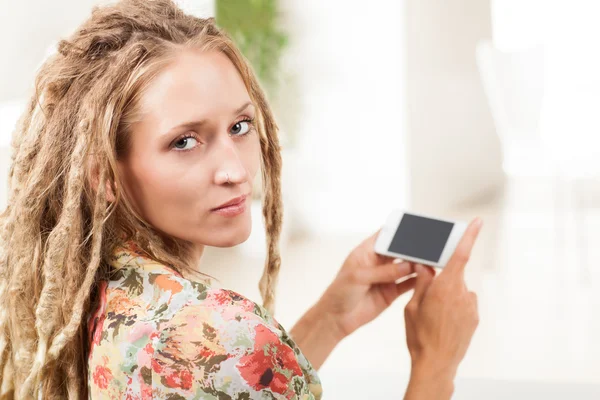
column 197, row 254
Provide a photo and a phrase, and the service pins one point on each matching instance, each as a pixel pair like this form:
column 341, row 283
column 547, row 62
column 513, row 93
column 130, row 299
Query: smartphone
column 419, row 238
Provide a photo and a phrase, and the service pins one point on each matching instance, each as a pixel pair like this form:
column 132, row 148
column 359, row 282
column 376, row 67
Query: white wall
column 558, row 44
column 518, row 24
column 29, row 28
column 349, row 59
column 454, row 152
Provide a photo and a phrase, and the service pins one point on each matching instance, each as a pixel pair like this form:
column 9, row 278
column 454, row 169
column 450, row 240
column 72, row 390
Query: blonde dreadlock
column 58, row 227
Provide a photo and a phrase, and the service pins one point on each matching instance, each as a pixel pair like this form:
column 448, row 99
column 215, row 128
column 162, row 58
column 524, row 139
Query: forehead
column 195, row 82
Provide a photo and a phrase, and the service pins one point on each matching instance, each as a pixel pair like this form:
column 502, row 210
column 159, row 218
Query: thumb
column 424, row 279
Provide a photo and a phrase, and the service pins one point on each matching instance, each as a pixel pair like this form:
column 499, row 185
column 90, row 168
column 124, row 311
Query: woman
column 138, row 149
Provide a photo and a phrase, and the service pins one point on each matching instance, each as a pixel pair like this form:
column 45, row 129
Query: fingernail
column 478, row 222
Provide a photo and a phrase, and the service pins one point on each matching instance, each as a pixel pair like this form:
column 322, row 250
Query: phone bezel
column 390, row 227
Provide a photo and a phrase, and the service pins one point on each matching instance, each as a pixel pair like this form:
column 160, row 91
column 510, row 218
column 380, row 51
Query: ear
column 110, row 196
column 94, row 178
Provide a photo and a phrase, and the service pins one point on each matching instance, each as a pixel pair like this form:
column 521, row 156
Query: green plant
column 253, row 25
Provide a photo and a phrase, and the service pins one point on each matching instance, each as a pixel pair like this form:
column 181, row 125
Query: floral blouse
column 156, row 335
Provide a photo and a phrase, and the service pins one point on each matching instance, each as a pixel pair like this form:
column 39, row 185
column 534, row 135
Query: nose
column 231, row 169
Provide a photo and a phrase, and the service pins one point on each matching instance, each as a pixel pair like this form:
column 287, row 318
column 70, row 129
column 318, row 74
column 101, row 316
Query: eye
column 241, row 128
column 185, row 143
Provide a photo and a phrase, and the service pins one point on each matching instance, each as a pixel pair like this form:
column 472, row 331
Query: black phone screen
column 421, row 237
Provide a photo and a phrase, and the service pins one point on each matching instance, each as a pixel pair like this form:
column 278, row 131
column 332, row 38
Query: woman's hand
column 441, row 319
column 365, row 286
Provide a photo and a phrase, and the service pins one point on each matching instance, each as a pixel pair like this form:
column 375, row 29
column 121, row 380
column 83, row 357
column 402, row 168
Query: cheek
column 166, row 191
column 252, row 156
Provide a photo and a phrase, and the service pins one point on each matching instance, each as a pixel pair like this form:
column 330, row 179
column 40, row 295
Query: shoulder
column 126, row 324
column 176, row 338
column 227, row 344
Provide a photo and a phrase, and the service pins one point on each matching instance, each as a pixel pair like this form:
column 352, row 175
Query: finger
column 383, row 259
column 405, row 286
column 475, row 304
column 373, row 238
column 473, row 296
column 391, row 291
column 424, row 279
column 386, row 273
column 462, row 254
column 429, row 269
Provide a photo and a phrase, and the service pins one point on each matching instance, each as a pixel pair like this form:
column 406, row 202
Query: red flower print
column 224, row 298
column 156, row 366
column 221, row 297
column 206, row 353
column 147, row 392
column 269, row 363
column 96, row 320
column 102, row 376
column 179, row 379
column 135, row 248
column 149, row 349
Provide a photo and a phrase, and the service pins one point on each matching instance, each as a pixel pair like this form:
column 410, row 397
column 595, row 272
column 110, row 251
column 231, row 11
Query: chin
column 231, row 238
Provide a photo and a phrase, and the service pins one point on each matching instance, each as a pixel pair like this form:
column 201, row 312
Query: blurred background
column 457, row 108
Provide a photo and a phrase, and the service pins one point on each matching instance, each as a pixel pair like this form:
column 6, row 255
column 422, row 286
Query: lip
column 236, row 202
column 231, row 211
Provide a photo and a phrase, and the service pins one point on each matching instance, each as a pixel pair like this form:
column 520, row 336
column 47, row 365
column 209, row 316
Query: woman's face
column 194, row 134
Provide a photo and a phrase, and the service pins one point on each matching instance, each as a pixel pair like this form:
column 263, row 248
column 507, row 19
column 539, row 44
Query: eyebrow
column 191, row 124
